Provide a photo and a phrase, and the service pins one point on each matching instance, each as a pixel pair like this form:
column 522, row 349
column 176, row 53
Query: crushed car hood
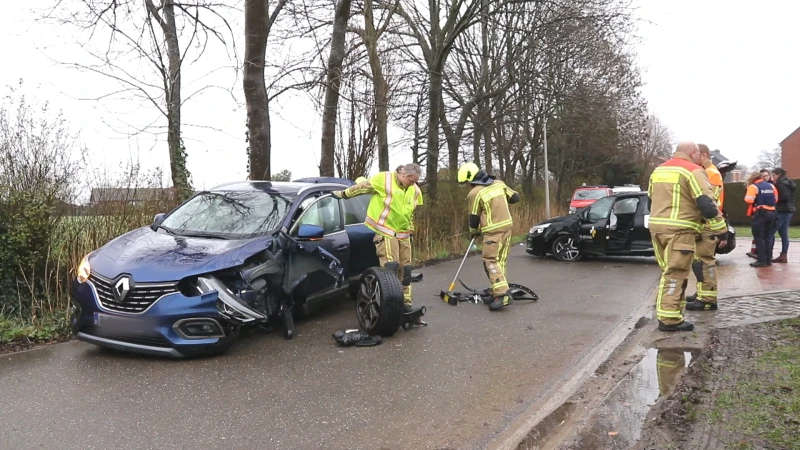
column 150, row 256
column 570, row 223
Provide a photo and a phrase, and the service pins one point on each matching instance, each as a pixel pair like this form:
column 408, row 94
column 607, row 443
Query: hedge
column 736, row 208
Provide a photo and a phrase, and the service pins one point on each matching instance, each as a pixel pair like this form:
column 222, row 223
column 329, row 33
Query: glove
column 338, row 194
column 474, row 233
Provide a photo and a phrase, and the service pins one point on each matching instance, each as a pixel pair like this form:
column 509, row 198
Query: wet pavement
column 747, row 295
column 737, row 278
column 455, row 384
column 618, row 421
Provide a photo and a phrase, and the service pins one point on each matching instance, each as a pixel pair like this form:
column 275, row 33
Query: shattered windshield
column 234, row 214
column 589, row 194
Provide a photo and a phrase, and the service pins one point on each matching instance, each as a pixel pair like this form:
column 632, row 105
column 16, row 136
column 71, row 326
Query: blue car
column 239, row 255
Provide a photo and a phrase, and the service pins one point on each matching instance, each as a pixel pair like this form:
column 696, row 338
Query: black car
column 615, row 225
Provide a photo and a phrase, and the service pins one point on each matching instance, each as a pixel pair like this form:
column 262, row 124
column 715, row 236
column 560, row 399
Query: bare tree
column 656, row 147
column 257, row 26
column 152, row 33
column 769, row 159
column 333, row 82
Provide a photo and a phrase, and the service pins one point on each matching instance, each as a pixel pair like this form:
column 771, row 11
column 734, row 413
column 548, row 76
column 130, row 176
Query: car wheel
column 565, row 248
column 379, row 303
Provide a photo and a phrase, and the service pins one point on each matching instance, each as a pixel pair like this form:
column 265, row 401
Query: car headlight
column 84, row 270
column 539, row 228
column 572, row 209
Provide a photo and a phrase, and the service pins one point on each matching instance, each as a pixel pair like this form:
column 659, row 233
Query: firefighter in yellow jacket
column 489, row 215
column 705, row 258
column 681, row 203
column 395, row 197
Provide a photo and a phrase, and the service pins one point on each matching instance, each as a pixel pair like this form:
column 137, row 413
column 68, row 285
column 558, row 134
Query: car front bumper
column 156, row 331
column 536, row 244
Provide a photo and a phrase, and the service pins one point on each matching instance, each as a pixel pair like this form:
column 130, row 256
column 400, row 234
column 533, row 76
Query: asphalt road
column 455, row 384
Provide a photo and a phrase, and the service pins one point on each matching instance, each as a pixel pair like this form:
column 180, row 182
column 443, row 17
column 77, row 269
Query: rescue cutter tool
column 446, row 295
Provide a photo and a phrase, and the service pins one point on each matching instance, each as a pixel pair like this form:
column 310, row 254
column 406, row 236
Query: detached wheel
column 379, row 302
column 565, row 248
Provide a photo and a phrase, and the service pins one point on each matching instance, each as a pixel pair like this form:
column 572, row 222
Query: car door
column 595, row 225
column 362, row 248
column 625, row 211
column 640, row 235
column 317, row 261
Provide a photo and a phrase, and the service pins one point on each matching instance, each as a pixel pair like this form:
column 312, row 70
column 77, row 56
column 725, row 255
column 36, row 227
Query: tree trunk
column 434, row 101
column 256, row 31
column 487, row 143
column 333, row 82
column 380, row 87
column 177, row 154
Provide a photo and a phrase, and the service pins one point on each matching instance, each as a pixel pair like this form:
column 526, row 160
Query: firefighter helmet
column 467, row 172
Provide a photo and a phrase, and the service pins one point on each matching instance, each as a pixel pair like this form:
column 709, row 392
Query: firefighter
column 762, row 197
column 705, row 261
column 681, row 204
column 489, row 215
column 395, row 198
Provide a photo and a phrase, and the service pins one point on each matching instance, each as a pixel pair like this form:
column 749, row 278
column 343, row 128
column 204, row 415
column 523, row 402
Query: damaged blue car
column 242, row 254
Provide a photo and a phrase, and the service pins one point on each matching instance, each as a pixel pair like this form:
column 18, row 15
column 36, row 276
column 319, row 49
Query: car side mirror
column 310, row 233
column 159, row 218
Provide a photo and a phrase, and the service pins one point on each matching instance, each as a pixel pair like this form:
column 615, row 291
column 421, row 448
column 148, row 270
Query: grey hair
column 410, row 169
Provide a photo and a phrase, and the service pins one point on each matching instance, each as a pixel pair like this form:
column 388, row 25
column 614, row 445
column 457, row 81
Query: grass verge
column 18, row 334
column 745, row 231
column 765, row 407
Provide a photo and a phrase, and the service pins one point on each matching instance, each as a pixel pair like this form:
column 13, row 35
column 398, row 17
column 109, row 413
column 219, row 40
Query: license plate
column 117, row 323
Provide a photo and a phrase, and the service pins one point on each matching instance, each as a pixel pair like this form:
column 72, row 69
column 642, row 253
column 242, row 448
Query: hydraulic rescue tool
column 516, row 291
column 444, row 294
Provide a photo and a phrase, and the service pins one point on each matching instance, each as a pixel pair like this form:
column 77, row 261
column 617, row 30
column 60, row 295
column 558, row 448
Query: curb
column 513, row 435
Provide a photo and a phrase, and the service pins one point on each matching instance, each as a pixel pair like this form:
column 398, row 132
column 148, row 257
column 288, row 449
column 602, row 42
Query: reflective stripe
column 676, row 222
column 383, row 229
column 387, row 185
column 500, row 284
column 485, row 196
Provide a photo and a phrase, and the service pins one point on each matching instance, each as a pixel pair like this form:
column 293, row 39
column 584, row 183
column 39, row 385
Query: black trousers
column 764, row 233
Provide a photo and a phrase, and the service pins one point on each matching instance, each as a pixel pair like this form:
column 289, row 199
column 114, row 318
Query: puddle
column 623, row 412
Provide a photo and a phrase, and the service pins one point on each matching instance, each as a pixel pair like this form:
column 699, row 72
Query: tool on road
column 413, row 319
column 444, row 294
column 516, row 291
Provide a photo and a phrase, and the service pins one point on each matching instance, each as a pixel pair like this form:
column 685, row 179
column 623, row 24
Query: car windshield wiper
column 200, row 234
column 168, row 230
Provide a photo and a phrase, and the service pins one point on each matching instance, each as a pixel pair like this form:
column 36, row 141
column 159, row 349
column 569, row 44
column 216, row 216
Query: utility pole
column 546, row 175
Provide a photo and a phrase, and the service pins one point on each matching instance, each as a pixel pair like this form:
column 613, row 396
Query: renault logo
column 122, row 288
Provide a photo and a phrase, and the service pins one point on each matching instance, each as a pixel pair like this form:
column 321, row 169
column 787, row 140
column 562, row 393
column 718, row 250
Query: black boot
column 758, row 264
column 683, row 326
column 691, row 298
column 501, row 301
column 699, row 305
column 407, row 308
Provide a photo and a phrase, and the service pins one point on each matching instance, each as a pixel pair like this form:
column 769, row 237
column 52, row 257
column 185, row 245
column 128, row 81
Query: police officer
column 395, row 197
column 705, row 261
column 681, row 204
column 762, row 197
column 487, row 204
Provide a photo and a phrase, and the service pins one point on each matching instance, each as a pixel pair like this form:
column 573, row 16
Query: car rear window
column 589, row 194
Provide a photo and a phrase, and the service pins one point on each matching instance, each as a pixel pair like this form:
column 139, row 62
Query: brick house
column 790, row 154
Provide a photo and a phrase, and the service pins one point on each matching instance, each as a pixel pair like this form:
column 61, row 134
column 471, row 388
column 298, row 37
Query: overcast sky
column 717, row 74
